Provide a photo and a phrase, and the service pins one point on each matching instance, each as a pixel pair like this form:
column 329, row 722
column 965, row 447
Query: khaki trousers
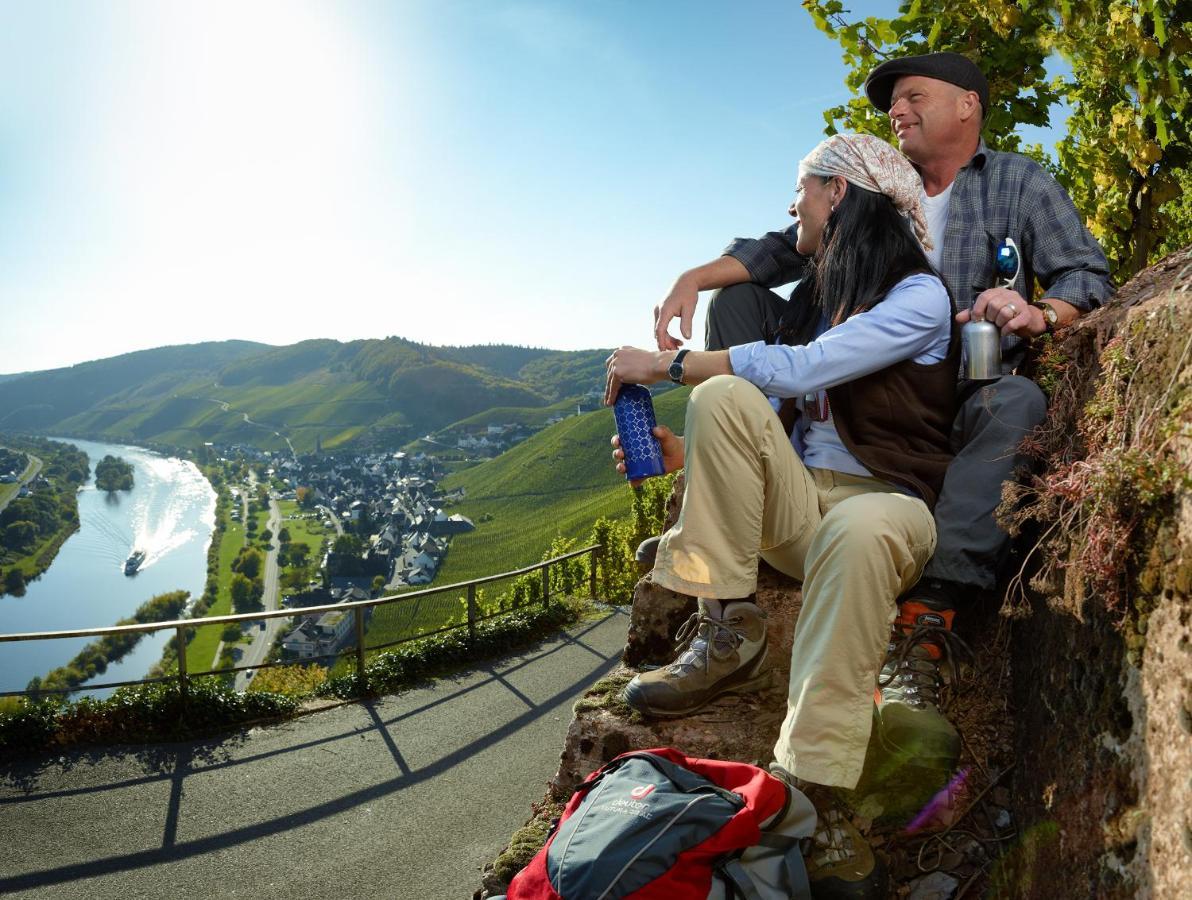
column 856, row 543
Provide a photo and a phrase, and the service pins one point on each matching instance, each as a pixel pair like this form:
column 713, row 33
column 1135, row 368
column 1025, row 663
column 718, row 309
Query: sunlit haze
column 451, row 172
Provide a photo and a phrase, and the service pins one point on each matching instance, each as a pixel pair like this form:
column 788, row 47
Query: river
column 170, row 514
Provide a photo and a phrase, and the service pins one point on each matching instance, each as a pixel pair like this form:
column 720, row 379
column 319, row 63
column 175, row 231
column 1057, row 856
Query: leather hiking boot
column 722, row 650
column 841, row 864
column 647, row 552
column 910, row 724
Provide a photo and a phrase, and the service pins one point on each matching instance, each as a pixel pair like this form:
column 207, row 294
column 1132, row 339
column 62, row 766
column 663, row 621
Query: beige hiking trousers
column 856, row 543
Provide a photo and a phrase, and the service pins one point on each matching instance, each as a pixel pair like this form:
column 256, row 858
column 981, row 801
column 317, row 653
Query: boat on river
column 134, row 562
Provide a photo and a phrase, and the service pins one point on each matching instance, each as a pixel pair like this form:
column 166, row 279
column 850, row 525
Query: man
column 974, row 199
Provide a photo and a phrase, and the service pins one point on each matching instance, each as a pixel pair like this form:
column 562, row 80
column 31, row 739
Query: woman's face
column 815, row 199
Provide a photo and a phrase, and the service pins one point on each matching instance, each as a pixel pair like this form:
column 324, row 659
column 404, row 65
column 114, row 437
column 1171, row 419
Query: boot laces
column 831, row 843
column 911, row 674
column 697, row 636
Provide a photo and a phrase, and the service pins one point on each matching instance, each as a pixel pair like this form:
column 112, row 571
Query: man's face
column 925, row 112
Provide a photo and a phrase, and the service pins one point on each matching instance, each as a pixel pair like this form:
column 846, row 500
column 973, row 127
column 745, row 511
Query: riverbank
column 34, row 527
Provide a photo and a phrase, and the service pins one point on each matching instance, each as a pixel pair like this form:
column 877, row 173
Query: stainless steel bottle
column 982, row 350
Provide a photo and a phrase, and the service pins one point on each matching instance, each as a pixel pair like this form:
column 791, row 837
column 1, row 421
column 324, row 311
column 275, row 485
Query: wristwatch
column 1050, row 317
column 675, row 369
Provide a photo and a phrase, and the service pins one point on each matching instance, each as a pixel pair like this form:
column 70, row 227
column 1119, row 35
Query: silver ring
column 1013, row 309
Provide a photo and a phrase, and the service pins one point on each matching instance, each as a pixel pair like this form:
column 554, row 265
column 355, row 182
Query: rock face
column 1102, row 658
column 1080, row 720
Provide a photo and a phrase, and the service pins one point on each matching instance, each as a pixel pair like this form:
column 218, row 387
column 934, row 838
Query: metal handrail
column 357, row 607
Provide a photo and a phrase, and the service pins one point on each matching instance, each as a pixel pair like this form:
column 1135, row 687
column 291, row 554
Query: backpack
column 658, row 825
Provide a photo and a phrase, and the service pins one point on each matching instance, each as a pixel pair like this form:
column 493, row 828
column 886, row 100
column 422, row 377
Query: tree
column 1124, row 159
column 14, row 582
column 348, row 545
column 378, row 584
column 283, row 536
column 266, row 536
column 20, row 535
column 249, row 562
column 305, row 497
column 246, row 593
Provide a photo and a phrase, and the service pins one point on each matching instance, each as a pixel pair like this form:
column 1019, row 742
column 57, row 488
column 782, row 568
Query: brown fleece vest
column 898, row 422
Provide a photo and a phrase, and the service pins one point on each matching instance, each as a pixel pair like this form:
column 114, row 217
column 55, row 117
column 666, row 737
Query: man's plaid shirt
column 995, row 196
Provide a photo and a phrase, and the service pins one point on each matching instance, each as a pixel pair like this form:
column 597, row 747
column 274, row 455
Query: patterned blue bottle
column 634, row 413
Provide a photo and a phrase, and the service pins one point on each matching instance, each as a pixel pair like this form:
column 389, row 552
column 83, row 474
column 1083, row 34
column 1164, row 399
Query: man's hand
column 1008, row 311
column 680, row 302
column 672, row 451
column 630, row 365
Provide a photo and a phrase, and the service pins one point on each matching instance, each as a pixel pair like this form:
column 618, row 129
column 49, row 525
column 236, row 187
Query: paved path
column 263, row 639
column 403, row 798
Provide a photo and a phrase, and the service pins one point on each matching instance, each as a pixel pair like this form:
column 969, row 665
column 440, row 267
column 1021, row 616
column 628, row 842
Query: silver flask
column 982, row 343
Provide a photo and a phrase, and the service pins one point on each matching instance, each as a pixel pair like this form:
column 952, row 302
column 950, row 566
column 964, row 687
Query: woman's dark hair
column 866, row 249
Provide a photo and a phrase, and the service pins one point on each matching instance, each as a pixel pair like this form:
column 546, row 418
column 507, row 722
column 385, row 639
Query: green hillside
column 557, row 482
column 370, row 392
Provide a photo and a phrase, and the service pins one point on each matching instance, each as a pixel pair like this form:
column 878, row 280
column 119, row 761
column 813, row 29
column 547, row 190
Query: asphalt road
column 405, row 797
column 263, row 639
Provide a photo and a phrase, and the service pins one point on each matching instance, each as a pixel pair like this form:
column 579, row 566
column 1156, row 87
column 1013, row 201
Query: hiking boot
column 909, row 720
column 841, row 865
column 722, row 650
column 647, row 552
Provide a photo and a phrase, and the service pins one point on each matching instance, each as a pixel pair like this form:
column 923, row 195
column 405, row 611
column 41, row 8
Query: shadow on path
column 196, row 758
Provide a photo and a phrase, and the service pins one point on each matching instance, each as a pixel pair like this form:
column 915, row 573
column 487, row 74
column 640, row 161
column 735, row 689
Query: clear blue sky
column 451, row 171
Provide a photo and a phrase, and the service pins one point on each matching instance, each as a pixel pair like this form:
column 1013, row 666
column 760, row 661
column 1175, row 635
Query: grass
column 200, row 653
column 555, row 484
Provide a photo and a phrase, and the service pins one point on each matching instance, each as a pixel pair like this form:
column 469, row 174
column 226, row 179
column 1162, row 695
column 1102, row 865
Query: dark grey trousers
column 992, row 421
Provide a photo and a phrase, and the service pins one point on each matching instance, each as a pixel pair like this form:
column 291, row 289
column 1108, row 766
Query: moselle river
column 169, row 513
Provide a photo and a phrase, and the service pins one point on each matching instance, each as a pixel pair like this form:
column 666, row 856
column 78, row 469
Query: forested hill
column 387, row 390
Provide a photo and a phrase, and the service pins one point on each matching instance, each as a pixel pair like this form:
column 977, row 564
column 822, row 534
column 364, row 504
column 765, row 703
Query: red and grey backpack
column 658, row 825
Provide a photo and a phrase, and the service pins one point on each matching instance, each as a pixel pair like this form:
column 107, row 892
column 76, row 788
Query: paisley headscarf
column 872, row 164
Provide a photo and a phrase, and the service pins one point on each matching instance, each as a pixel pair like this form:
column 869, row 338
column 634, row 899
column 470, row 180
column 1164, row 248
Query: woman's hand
column 672, row 451
column 630, row 365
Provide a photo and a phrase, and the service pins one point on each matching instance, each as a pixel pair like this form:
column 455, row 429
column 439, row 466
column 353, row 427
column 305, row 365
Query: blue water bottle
column 634, row 413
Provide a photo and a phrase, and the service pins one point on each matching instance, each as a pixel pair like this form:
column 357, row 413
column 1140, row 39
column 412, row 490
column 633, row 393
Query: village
column 390, row 531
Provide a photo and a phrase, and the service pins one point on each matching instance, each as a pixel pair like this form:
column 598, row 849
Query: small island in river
column 113, row 474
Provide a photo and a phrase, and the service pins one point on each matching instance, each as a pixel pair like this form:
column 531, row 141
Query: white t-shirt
column 935, row 209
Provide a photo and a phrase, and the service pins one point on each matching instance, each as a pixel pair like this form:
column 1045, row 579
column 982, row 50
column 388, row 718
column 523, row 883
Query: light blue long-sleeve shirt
column 914, row 321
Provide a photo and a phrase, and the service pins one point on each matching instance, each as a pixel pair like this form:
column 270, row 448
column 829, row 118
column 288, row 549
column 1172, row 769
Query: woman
column 842, row 504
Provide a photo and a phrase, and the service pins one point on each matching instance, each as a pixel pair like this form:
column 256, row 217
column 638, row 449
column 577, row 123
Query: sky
column 532, row 172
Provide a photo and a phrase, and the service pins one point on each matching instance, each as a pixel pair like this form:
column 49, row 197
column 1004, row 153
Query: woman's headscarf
column 872, row 164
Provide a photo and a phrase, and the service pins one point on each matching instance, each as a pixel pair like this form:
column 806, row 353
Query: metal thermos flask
column 634, row 412
column 982, row 350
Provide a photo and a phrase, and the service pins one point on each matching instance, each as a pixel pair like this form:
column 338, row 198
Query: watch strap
column 675, row 369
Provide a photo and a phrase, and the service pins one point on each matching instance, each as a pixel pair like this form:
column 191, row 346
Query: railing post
column 183, row 688
column 358, row 612
column 546, row 585
column 592, row 574
column 472, row 611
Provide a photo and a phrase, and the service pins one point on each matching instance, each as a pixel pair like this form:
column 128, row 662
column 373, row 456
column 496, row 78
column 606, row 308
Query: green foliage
column 246, row 593
column 1125, row 157
column 441, row 653
column 52, row 509
column 112, row 473
column 20, row 536
column 290, row 681
column 382, row 392
column 249, row 563
column 94, row 658
column 148, row 713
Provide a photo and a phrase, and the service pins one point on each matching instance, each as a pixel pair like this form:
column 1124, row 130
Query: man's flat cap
column 950, row 67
